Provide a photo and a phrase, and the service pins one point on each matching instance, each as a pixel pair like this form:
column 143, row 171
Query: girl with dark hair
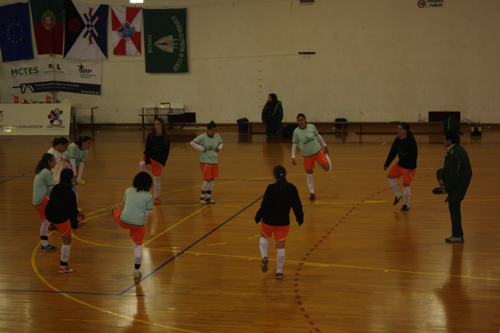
column 156, row 155
column 405, row 147
column 209, row 144
column 59, row 146
column 275, row 215
column 272, row 115
column 138, row 202
column 42, row 186
column 75, row 158
column 61, row 211
column 307, row 138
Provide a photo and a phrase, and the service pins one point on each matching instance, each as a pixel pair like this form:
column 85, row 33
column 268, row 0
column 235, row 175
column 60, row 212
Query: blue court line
column 190, row 246
column 8, row 180
column 62, row 292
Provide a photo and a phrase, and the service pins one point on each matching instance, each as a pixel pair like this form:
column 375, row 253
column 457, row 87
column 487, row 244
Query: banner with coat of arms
column 48, row 74
column 126, row 25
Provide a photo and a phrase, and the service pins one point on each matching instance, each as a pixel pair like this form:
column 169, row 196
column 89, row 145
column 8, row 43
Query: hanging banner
column 48, row 74
column 165, row 40
column 35, row 119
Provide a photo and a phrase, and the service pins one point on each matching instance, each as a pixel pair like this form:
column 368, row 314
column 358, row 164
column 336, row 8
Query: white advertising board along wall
column 35, row 119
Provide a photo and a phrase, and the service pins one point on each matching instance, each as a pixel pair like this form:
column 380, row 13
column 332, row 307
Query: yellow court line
column 184, row 219
column 35, row 269
column 253, row 237
column 216, row 244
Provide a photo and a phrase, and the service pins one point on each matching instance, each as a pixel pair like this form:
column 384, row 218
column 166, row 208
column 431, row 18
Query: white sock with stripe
column 310, row 183
column 407, row 194
column 157, row 184
column 394, row 186
column 264, row 246
column 44, row 232
column 280, row 260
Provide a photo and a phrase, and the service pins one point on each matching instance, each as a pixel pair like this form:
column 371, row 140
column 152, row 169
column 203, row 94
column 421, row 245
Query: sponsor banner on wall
column 35, row 119
column 48, row 74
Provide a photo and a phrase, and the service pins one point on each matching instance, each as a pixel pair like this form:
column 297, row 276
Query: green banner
column 166, row 40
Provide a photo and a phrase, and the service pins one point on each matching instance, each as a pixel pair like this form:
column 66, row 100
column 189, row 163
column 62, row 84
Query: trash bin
column 242, row 128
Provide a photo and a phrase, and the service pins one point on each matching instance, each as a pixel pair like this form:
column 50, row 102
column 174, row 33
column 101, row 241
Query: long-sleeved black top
column 62, row 206
column 407, row 151
column 275, row 207
column 156, row 149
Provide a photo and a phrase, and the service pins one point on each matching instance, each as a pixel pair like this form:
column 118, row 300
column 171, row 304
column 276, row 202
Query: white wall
column 375, row 60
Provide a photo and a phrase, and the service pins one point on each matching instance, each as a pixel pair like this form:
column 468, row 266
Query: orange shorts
column 136, row 232
column 280, row 232
column 309, row 161
column 398, row 171
column 155, row 166
column 209, row 171
column 64, row 228
column 41, row 208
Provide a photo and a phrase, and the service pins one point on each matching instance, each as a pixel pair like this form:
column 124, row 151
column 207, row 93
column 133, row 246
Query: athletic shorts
column 41, row 208
column 155, row 166
column 309, row 161
column 209, row 171
column 398, row 171
column 136, row 232
column 64, row 228
column 280, row 232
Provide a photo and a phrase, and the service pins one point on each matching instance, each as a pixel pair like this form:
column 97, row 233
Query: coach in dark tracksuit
column 455, row 176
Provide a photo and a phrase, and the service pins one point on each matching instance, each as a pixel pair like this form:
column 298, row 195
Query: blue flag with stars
column 15, row 32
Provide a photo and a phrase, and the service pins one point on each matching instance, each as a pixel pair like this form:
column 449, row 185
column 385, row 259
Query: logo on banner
column 48, row 20
column 55, row 118
column 83, row 70
column 126, row 31
column 167, row 44
column 55, row 66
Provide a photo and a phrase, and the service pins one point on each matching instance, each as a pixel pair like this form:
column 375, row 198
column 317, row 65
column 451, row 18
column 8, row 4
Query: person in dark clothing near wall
column 275, row 215
column 272, row 115
column 62, row 212
column 405, row 147
column 454, row 178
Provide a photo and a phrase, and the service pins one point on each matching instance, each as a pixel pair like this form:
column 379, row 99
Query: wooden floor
column 357, row 264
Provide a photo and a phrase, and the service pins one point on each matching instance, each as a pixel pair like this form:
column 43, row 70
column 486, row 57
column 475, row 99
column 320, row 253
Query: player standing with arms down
column 275, row 215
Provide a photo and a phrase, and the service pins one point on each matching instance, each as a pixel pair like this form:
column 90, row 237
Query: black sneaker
column 396, row 200
column 405, row 208
column 312, row 197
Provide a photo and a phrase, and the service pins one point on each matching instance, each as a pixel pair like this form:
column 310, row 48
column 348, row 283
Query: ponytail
column 57, row 141
column 280, row 175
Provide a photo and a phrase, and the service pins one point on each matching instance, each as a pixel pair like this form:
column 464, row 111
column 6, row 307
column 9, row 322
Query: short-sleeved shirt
column 306, row 140
column 136, row 206
column 56, row 171
column 74, row 152
column 41, row 186
column 210, row 143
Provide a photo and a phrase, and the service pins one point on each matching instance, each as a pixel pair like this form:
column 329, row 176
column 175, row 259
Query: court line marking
column 35, row 269
column 190, row 246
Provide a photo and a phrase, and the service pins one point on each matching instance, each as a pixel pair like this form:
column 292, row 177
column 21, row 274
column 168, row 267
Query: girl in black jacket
column 274, row 212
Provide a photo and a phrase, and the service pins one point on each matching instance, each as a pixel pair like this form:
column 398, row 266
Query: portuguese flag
column 48, row 25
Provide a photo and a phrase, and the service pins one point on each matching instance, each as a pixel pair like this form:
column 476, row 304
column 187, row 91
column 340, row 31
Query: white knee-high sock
column 407, row 195
column 138, row 256
column 44, row 233
column 310, row 183
column 204, row 188
column 142, row 166
column 65, row 253
column 280, row 260
column 264, row 246
column 210, row 189
column 157, row 184
column 394, row 186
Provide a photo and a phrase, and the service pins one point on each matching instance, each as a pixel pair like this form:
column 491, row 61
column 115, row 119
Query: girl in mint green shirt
column 307, row 138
